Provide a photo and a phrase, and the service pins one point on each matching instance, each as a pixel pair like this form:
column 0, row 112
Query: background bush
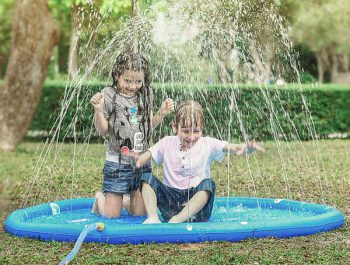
column 231, row 112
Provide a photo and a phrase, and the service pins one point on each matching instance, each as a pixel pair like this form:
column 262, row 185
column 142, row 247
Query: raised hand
column 97, row 101
column 167, row 106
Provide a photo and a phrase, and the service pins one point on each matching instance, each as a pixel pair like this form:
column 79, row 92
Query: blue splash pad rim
column 324, row 218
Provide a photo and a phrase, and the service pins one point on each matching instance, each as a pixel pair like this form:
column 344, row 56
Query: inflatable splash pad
column 233, row 219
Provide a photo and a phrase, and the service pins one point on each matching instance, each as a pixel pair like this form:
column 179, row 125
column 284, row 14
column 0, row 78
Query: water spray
column 134, row 14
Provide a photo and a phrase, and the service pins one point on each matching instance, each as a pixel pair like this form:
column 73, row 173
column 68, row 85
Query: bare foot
column 98, row 195
column 152, row 220
column 95, row 209
column 126, row 203
column 174, row 220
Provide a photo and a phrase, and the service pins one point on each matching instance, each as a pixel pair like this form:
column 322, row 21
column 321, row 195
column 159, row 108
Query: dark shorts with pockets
column 170, row 200
column 122, row 178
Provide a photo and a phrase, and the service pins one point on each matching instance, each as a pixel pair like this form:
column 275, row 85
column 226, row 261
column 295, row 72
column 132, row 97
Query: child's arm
column 165, row 109
column 143, row 159
column 101, row 124
column 243, row 148
column 140, row 159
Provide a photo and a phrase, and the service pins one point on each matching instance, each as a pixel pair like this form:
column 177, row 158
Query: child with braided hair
column 124, row 111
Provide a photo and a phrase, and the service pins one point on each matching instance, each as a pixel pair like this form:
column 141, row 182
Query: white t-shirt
column 183, row 170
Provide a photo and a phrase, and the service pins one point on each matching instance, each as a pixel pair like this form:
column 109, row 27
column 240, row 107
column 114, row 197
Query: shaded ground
column 4, row 205
column 313, row 172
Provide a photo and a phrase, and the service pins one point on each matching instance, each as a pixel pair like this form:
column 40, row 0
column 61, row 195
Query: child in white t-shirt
column 187, row 192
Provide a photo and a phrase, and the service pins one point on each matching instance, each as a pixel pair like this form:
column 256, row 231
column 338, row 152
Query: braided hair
column 136, row 62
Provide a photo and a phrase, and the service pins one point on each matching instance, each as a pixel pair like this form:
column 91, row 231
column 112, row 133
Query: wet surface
column 235, row 214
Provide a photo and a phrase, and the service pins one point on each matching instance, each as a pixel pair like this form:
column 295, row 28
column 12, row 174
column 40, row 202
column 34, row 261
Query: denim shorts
column 122, row 178
column 170, row 200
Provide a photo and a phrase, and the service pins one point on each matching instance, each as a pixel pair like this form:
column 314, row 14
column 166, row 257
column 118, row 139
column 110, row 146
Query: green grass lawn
column 316, row 172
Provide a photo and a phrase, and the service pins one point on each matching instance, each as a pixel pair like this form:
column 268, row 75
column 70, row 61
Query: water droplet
column 222, row 210
column 55, row 208
column 79, row 220
column 244, row 223
column 189, row 227
column 277, row 200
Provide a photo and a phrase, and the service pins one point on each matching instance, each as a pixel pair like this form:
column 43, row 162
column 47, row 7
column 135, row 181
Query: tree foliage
column 86, row 26
column 253, row 31
column 324, row 26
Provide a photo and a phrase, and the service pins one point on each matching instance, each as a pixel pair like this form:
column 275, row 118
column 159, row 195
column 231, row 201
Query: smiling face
column 188, row 136
column 188, row 123
column 130, row 82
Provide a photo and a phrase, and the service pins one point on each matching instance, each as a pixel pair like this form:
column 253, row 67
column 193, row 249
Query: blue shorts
column 170, row 200
column 122, row 178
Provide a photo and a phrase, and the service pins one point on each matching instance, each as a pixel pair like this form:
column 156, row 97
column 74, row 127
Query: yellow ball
column 100, row 226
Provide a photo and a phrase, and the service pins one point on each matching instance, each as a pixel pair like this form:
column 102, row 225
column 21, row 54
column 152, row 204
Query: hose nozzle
column 100, row 226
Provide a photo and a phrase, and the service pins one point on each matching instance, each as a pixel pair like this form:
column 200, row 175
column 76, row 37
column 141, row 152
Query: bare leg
column 132, row 203
column 108, row 205
column 95, row 208
column 99, row 203
column 113, row 205
column 150, row 200
column 137, row 206
column 126, row 202
column 196, row 204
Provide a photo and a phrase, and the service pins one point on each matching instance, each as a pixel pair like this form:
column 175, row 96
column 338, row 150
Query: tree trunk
column 262, row 71
column 334, row 67
column 134, row 8
column 34, row 35
column 342, row 78
column 73, row 69
column 340, row 69
column 222, row 71
column 2, row 61
column 345, row 62
column 223, row 63
column 320, row 69
column 63, row 53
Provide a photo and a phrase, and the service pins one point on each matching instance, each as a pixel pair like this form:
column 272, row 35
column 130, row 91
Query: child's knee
column 138, row 212
column 111, row 213
column 145, row 185
column 208, row 184
column 205, row 194
column 99, row 195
